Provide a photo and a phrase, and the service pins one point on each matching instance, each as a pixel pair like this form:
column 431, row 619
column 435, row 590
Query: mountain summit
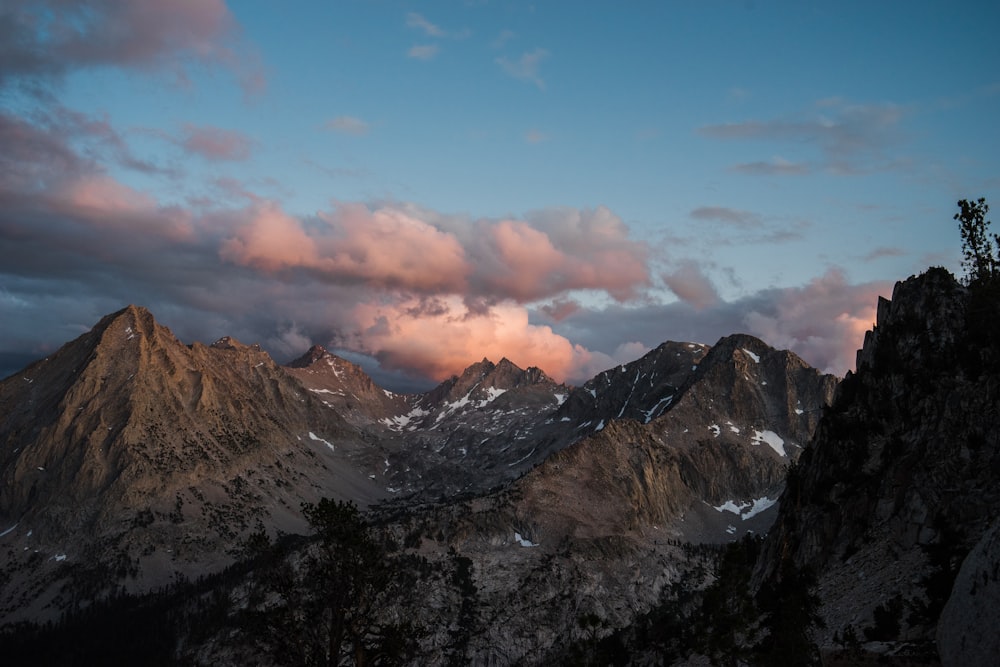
column 128, row 452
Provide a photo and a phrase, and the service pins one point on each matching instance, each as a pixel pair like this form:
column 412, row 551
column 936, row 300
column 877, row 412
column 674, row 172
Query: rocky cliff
column 900, row 481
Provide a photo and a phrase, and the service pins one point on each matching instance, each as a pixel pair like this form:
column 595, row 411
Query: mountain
column 899, row 483
column 594, row 536
column 129, row 460
column 345, row 388
column 127, row 456
column 716, row 429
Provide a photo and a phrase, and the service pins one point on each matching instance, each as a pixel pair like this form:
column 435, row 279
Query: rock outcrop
column 900, row 481
column 967, row 630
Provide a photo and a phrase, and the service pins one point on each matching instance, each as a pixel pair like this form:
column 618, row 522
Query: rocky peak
column 230, row 343
column 899, row 481
column 922, row 322
column 484, row 380
column 312, row 355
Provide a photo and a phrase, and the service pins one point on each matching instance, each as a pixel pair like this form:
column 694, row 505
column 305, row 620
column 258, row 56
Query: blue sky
column 419, row 185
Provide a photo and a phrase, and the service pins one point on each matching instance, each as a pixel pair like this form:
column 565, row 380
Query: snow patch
column 798, row 411
column 665, row 402
column 770, row 438
column 748, row 509
column 398, row 422
column 752, row 355
column 493, row 392
column 523, row 542
column 313, row 436
column 592, row 393
column 9, row 530
column 714, row 428
column 560, row 398
column 599, row 427
column 522, row 459
column 59, row 557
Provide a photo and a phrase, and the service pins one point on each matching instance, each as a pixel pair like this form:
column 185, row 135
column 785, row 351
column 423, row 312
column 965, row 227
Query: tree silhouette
column 981, row 261
column 330, row 607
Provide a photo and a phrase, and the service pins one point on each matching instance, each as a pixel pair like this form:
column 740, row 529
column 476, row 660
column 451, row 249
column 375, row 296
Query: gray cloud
column 771, row 167
column 850, row 138
column 746, row 219
column 823, row 321
column 45, row 39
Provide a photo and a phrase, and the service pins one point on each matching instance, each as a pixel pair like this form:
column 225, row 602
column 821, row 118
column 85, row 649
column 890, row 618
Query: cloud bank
column 422, row 292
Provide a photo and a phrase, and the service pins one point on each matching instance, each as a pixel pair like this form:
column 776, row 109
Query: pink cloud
column 824, row 322
column 270, row 241
column 103, row 203
column 392, row 248
column 49, row 37
column 388, row 248
column 216, row 143
column 691, row 285
column 559, row 250
column 385, row 249
column 404, row 336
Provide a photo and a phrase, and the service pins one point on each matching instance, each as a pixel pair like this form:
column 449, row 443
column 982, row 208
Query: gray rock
column 967, row 633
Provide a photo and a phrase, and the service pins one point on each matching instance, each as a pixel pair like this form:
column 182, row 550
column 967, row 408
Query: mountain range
column 546, row 517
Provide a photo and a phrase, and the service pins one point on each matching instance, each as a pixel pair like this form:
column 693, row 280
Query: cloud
column 731, row 216
column 740, row 227
column 777, row 165
column 383, row 248
column 418, row 22
column 421, row 291
column 216, row 144
column 558, row 250
column 560, row 309
column 691, row 285
column 552, row 252
column 422, row 51
column 348, row 125
column 526, row 67
column 822, row 321
column 45, row 39
column 882, row 251
column 442, row 343
column 850, row 138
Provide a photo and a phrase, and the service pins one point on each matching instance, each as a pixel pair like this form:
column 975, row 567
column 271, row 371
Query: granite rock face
column 900, row 480
column 967, row 630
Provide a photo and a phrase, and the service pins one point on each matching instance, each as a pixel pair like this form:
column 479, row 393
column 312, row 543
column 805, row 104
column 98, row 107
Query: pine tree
column 981, row 262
